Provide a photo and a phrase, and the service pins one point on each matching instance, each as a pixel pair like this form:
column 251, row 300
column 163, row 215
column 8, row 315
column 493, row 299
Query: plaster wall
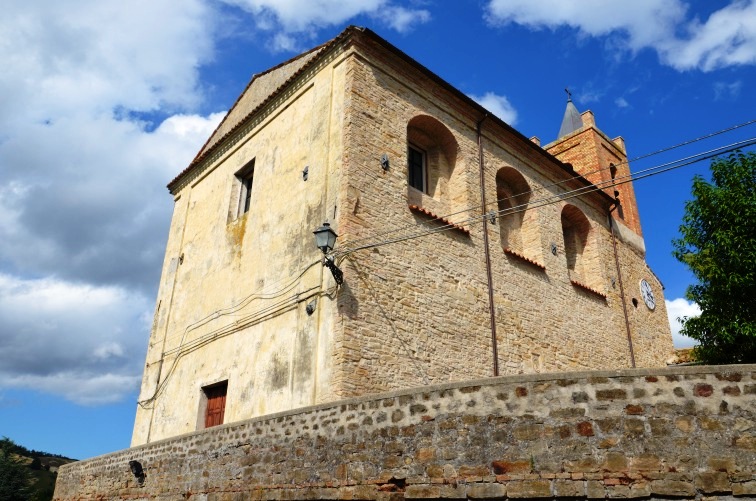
column 233, row 293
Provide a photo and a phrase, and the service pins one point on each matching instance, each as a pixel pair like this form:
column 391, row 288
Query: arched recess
column 432, row 152
column 580, row 248
column 518, row 228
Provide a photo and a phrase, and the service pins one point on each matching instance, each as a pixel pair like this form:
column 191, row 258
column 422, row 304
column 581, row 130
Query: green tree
column 14, row 475
column 718, row 244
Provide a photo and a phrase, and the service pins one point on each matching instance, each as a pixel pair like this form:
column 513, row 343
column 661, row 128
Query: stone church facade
column 547, row 275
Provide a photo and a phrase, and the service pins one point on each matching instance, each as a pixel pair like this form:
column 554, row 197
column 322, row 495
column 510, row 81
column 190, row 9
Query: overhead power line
column 645, row 173
column 558, row 183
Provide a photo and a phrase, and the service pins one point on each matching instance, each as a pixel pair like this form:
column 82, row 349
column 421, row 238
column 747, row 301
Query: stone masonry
column 680, row 432
column 245, row 304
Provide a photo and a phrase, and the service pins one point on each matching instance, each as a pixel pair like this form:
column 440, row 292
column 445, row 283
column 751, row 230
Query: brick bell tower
column 601, row 160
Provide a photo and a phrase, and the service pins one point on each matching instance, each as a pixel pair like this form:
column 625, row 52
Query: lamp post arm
column 338, row 275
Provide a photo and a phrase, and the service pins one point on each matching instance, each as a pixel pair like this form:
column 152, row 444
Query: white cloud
column 498, row 105
column 81, row 57
column 402, row 19
column 725, row 91
column 727, row 37
column 291, row 20
column 83, row 342
column 621, row 102
column 96, row 117
column 81, row 387
column 678, row 308
column 87, row 193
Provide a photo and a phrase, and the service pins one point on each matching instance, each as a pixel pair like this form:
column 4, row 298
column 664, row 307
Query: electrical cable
column 182, row 348
column 245, row 321
column 245, row 301
column 570, row 194
column 558, row 183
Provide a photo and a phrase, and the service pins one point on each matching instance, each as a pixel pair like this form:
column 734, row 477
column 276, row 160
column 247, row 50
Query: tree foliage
column 718, row 244
column 14, row 475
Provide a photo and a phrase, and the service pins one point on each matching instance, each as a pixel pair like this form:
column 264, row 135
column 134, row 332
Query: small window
column 245, row 177
column 215, row 409
column 416, row 160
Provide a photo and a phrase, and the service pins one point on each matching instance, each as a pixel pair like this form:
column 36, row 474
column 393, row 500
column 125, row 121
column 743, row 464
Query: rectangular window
column 245, row 177
column 417, row 171
column 215, row 409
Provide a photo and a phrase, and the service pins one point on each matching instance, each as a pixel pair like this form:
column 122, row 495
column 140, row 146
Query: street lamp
column 325, row 239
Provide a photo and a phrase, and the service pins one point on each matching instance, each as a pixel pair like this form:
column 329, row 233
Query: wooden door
column 216, row 405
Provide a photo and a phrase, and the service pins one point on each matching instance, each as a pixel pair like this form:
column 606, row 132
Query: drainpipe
column 619, row 279
column 487, row 250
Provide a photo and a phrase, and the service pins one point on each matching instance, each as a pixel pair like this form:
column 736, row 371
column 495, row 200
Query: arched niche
column 518, row 226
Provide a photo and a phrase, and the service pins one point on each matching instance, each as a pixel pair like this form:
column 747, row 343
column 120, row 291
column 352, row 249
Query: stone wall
column 416, row 312
column 681, row 432
column 245, row 302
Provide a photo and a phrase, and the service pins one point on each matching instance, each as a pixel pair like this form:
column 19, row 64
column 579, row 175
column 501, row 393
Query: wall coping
column 490, row 381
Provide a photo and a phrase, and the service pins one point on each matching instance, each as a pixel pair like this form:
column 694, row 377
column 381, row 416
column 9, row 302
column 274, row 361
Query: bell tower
column 597, row 158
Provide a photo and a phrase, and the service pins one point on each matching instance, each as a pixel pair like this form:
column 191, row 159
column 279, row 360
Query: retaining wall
column 683, row 432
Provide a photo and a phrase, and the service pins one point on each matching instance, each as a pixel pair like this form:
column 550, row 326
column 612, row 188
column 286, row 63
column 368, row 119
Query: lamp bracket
column 338, row 275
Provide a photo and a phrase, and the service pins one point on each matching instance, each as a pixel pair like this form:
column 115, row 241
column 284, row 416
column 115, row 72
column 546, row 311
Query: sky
column 103, row 103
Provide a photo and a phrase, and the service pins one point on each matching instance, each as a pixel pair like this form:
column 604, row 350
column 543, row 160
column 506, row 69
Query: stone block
column 639, row 490
column 582, row 397
column 618, row 492
column 422, row 491
column 583, row 465
column 594, row 490
column 608, row 425
column 634, row 410
column 568, row 488
column 529, row 489
column 646, row 462
column 452, row 491
column 569, row 412
column 732, row 391
column 684, row 423
column 527, row 431
column 503, row 466
column 729, row 376
column 747, row 441
column 708, row 423
column 608, row 442
column 722, row 464
column 744, row 488
column 473, row 471
column 703, row 390
column 585, row 429
column 665, row 487
column 613, row 394
column 434, row 471
column 486, row 491
column 425, row 455
column 634, row 427
column 615, row 461
column 713, row 482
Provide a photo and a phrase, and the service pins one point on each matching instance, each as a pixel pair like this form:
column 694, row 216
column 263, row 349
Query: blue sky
column 101, row 104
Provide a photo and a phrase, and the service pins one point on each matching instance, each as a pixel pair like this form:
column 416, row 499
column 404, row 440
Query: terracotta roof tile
column 589, row 289
column 522, row 257
column 421, row 210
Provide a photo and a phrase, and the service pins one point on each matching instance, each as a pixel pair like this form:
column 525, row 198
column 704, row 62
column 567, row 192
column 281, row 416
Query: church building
column 462, row 250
